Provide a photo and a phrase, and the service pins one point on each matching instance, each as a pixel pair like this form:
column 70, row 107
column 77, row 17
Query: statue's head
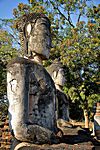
column 36, row 34
column 57, row 73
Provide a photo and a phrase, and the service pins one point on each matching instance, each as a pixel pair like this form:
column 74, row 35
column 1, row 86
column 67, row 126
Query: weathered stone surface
column 61, row 124
column 31, row 95
column 35, row 134
column 63, row 105
column 34, row 31
column 57, row 73
column 62, row 146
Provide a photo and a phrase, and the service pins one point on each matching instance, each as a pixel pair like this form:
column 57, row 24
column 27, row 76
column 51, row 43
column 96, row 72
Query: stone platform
column 62, row 146
column 72, row 139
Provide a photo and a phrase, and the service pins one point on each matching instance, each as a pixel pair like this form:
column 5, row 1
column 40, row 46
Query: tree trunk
column 86, row 118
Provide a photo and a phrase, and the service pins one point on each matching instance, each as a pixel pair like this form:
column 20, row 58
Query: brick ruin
column 5, row 134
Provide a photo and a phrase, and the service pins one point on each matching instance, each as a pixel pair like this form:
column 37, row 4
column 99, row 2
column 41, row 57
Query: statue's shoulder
column 35, row 70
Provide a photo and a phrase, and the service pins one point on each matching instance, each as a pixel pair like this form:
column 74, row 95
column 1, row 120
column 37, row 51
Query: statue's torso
column 34, row 96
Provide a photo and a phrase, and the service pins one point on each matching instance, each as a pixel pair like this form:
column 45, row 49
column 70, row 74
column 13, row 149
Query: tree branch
column 14, row 38
column 79, row 17
column 68, row 19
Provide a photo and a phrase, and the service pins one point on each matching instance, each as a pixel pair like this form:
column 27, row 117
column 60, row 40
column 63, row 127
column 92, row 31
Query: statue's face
column 39, row 37
column 59, row 77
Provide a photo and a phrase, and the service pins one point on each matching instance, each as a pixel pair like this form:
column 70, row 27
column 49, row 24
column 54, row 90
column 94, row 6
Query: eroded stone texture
column 32, row 97
column 63, row 105
column 34, row 32
column 57, row 73
column 62, row 146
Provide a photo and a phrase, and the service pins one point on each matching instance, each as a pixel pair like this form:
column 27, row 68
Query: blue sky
column 6, row 7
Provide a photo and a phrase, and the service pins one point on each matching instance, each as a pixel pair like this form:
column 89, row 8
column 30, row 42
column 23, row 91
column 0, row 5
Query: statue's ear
column 28, row 28
column 54, row 75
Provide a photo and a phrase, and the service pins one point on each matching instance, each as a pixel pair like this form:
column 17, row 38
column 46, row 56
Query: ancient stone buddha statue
column 57, row 73
column 30, row 89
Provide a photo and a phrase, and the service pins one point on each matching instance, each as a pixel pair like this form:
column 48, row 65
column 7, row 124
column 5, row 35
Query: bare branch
column 14, row 38
column 79, row 17
column 68, row 19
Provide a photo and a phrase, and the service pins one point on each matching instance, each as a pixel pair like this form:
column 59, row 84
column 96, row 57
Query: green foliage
column 6, row 54
column 23, row 9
